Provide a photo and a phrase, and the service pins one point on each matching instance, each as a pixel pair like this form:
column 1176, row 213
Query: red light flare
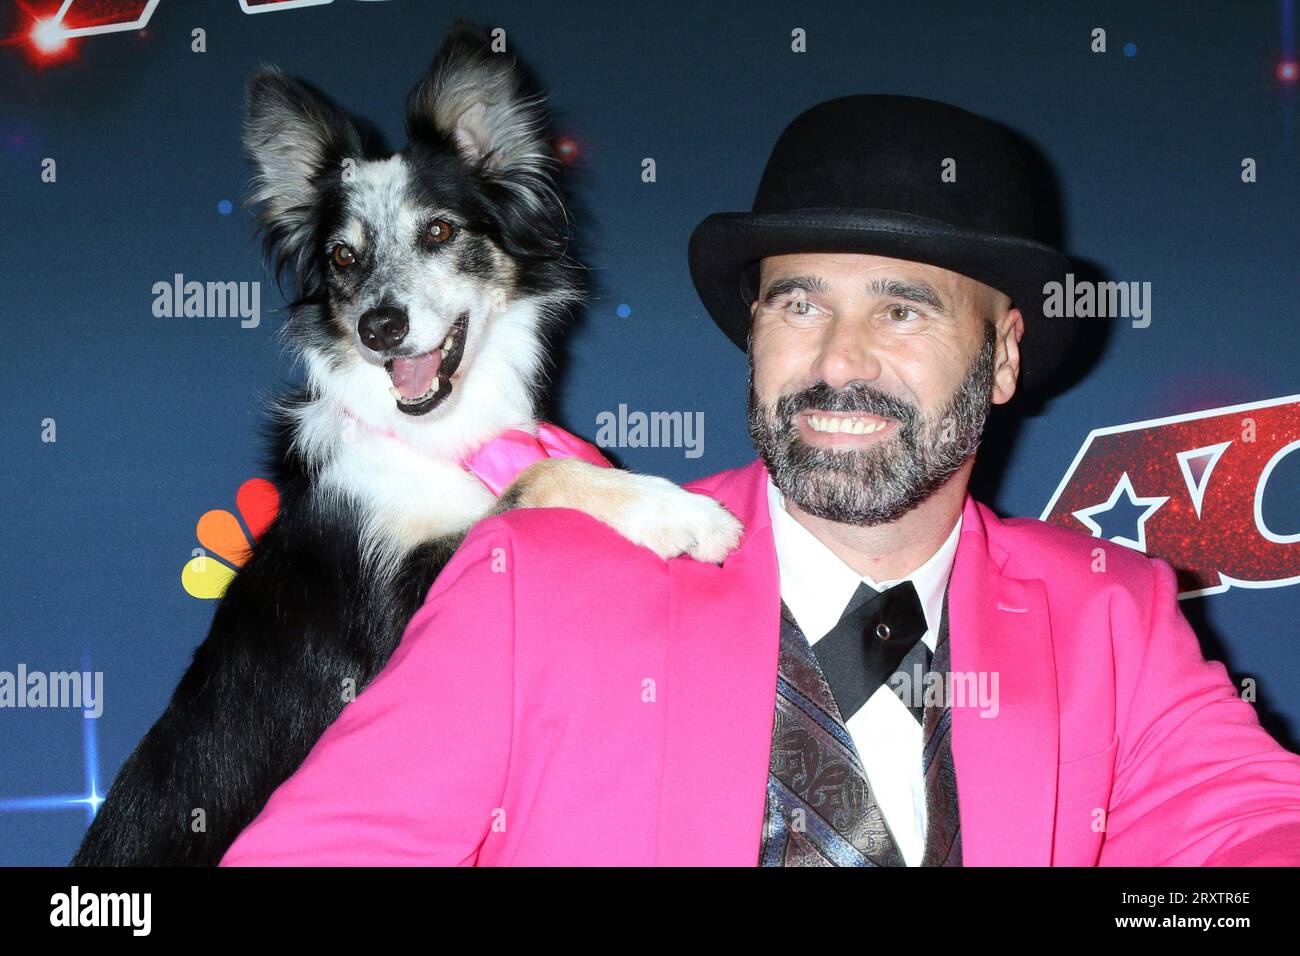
column 567, row 150
column 41, row 36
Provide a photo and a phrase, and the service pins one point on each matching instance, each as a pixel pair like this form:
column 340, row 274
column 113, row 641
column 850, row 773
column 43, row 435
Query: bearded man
column 884, row 673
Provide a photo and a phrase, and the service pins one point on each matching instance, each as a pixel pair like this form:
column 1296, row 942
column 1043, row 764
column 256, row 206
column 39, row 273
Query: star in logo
column 1147, row 507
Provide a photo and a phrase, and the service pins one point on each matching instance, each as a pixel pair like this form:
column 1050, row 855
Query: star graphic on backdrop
column 89, row 800
column 1146, row 506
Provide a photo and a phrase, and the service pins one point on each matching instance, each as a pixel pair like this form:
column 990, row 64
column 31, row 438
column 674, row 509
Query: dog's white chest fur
column 404, row 495
column 413, row 497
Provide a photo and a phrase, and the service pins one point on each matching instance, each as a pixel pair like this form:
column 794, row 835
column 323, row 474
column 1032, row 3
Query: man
column 884, row 672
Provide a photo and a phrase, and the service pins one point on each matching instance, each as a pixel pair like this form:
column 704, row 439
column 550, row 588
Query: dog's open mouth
column 422, row 382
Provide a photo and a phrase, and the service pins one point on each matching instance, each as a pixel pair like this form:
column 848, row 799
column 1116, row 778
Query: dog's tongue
column 413, row 376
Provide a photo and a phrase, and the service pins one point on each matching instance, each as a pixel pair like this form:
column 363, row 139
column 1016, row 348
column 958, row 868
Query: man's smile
column 843, row 429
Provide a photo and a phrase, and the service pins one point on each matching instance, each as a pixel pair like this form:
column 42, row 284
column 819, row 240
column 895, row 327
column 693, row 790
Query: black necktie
column 875, row 633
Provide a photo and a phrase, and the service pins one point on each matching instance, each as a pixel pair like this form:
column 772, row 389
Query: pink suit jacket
column 564, row 697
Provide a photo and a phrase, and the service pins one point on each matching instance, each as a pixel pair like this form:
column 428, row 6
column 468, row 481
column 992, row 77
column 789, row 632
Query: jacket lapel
column 720, row 692
column 1005, row 762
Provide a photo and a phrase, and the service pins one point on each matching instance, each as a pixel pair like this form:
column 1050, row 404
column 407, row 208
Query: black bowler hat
column 865, row 174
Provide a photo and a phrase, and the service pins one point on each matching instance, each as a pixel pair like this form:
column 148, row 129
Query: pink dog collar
column 500, row 461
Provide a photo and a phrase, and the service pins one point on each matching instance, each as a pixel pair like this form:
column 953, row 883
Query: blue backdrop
column 156, row 421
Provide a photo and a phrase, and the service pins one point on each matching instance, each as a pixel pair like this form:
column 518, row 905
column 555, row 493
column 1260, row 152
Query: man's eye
column 801, row 307
column 903, row 313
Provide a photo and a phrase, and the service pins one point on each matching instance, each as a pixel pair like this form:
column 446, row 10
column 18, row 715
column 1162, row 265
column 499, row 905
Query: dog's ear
column 472, row 99
column 472, row 95
column 298, row 142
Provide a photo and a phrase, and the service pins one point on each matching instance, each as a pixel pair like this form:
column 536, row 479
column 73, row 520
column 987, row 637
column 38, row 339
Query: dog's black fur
column 298, row 621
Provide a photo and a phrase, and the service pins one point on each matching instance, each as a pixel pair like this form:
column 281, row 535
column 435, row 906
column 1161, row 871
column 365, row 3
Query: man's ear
column 1006, row 358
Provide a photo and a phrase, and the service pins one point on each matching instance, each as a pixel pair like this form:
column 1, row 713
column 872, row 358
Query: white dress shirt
column 816, row 586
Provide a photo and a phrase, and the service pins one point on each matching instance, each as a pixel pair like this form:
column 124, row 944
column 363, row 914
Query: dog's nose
column 383, row 328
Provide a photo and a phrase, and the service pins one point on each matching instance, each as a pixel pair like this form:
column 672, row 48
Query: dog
column 427, row 283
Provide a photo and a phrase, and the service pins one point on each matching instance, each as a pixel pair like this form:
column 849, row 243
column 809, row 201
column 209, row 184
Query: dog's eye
column 440, row 230
column 343, row 256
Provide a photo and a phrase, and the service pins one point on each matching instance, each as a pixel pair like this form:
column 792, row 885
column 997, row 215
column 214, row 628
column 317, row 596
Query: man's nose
column 847, row 353
column 383, row 328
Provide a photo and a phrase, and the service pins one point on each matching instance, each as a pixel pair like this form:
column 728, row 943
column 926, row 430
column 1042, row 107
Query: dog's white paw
column 671, row 521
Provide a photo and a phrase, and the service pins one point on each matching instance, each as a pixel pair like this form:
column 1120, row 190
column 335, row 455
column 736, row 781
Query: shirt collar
column 816, row 584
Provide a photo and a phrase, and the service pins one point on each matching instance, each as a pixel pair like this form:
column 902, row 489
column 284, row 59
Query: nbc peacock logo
column 222, row 535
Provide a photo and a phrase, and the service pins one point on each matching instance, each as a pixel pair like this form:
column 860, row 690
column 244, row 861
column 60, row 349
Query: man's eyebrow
column 781, row 286
column 909, row 290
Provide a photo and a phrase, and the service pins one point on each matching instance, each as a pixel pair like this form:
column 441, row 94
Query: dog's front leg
column 647, row 510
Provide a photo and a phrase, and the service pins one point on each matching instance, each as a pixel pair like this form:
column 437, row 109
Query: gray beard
column 878, row 484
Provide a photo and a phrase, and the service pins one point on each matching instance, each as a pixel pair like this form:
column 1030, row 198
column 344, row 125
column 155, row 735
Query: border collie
column 426, row 283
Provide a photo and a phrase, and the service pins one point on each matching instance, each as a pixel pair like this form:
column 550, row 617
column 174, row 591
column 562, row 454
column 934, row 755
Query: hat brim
column 725, row 245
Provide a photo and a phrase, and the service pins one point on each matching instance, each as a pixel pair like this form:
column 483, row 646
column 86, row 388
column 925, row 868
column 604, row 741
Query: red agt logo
column 50, row 32
column 1191, row 489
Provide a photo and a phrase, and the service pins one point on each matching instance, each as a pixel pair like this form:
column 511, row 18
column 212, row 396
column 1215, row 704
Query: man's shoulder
column 556, row 534
column 1038, row 548
column 539, row 559
column 730, row 485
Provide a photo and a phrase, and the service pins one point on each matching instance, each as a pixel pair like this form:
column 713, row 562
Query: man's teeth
column 849, row 426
